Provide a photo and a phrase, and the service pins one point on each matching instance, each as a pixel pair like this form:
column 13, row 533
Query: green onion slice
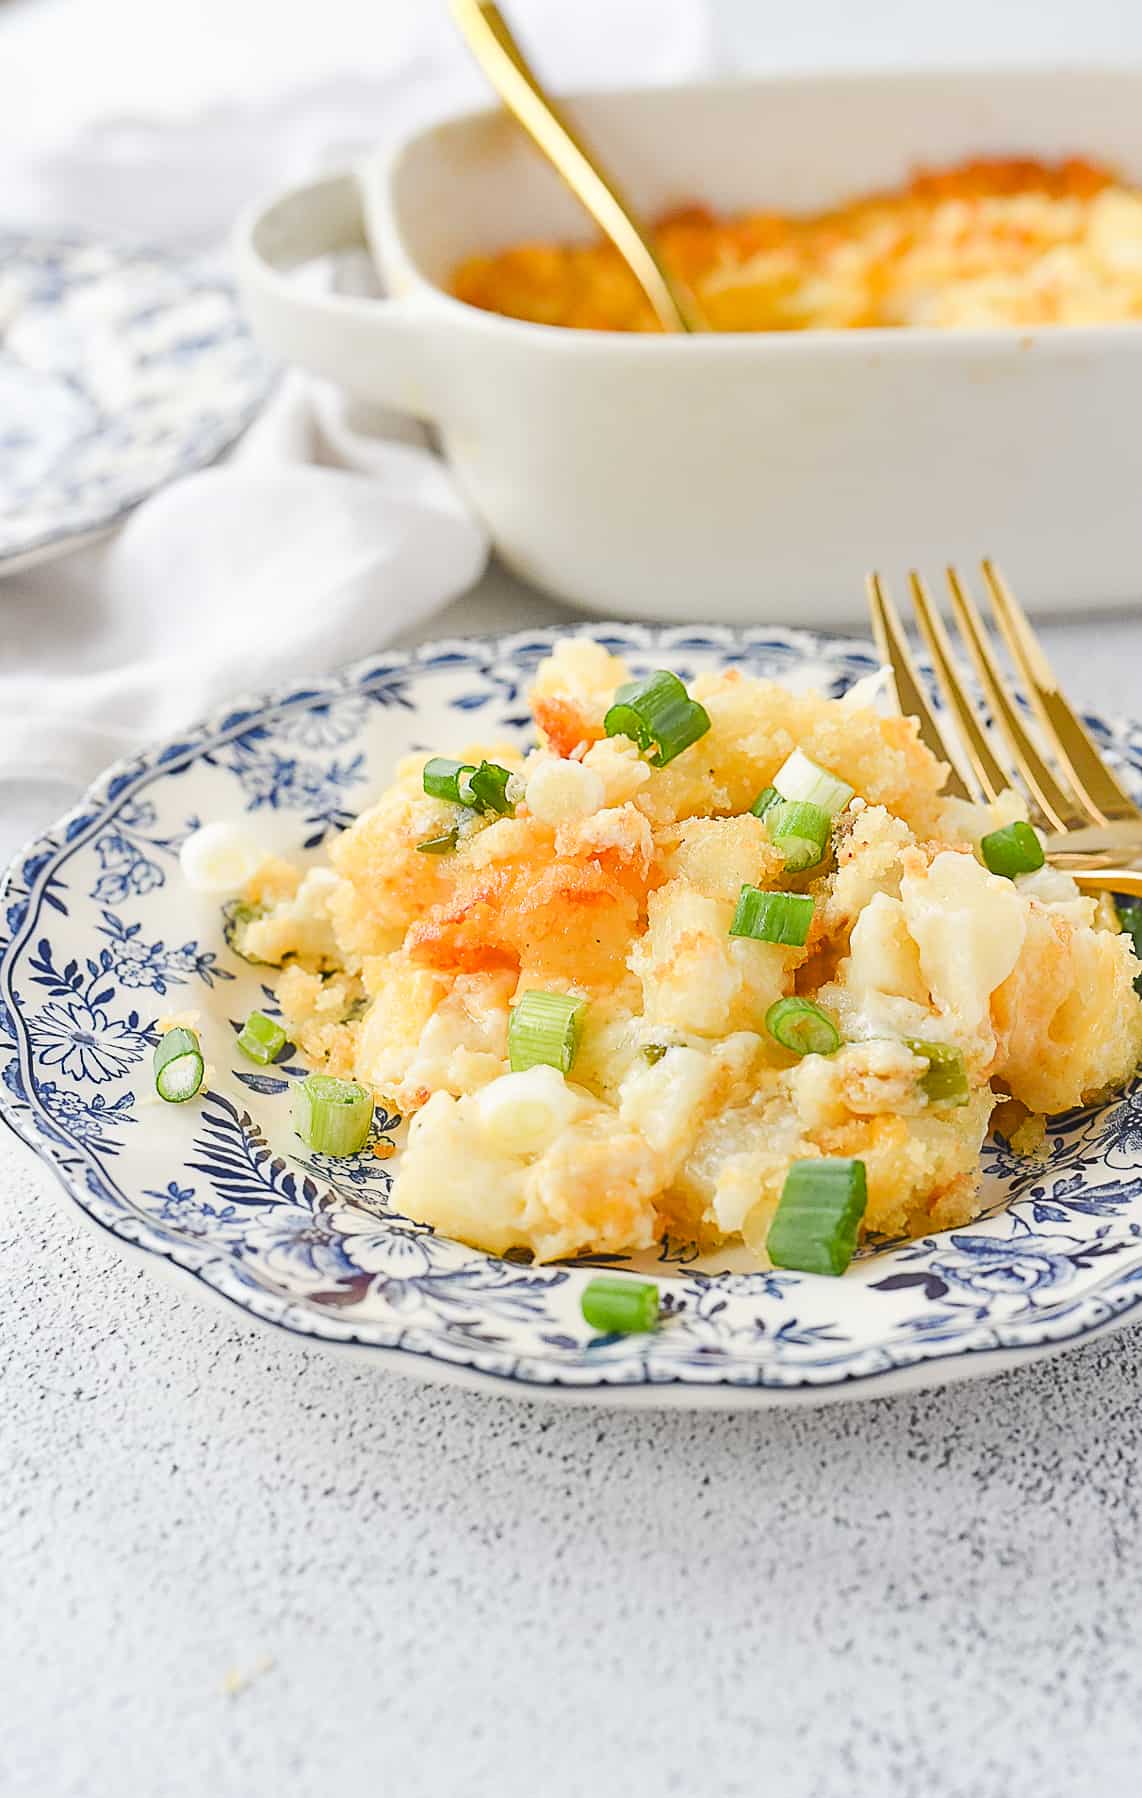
column 332, row 1117
column 261, row 1038
column 482, row 789
column 441, row 845
column 800, row 830
column 236, row 915
column 815, row 1226
column 543, row 1030
column 1130, row 920
column 768, row 797
column 620, row 1306
column 946, row 1082
column 1015, row 849
column 653, row 1052
column 657, row 714
column 802, row 1027
column 799, row 778
column 488, row 787
column 773, row 917
column 442, row 778
column 178, row 1066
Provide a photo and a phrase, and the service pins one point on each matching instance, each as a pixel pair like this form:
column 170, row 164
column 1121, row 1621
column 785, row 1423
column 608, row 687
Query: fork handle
column 501, row 57
column 1110, row 880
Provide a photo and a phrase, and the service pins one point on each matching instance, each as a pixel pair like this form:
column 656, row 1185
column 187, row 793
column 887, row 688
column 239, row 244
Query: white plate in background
column 120, row 369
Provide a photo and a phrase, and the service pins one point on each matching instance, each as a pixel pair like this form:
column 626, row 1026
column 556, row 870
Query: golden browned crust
column 1000, row 240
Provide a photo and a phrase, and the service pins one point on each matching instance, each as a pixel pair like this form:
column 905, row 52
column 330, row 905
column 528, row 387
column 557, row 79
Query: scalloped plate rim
column 957, row 1366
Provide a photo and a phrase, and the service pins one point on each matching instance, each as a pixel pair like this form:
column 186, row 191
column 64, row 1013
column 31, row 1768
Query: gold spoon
column 504, row 63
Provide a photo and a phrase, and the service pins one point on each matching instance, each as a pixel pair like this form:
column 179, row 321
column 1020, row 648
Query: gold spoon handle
column 504, row 63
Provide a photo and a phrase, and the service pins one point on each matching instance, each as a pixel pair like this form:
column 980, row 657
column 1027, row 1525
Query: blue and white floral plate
column 119, row 369
column 101, row 937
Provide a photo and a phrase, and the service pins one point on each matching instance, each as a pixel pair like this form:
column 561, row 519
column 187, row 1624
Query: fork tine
column 911, row 699
column 1102, row 797
column 992, row 776
column 1056, row 805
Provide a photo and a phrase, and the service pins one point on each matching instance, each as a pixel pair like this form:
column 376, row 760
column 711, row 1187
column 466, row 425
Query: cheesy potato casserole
column 634, row 981
column 998, row 242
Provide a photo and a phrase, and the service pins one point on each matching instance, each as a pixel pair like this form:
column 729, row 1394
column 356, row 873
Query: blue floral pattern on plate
column 120, row 369
column 97, row 936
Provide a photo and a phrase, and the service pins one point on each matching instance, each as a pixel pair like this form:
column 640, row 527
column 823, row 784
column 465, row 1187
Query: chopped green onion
column 488, row 787
column 815, row 1226
column 442, row 845
column 261, row 1038
column 769, row 796
column 482, row 789
column 442, row 778
column 543, row 1030
column 178, row 1066
column 618, row 1306
column 773, row 917
column 802, row 1027
column 653, row 1052
column 237, row 914
column 657, row 714
column 946, row 1082
column 799, row 778
column 1015, row 849
column 1130, row 920
column 332, row 1117
column 800, row 830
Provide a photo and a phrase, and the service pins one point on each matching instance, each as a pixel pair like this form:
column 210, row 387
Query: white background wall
column 68, row 61
column 774, row 33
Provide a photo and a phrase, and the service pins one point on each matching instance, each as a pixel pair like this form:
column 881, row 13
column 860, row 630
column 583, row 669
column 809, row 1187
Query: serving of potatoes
column 616, row 881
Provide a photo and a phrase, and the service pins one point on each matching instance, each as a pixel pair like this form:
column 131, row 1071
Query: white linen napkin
column 313, row 544
column 327, row 531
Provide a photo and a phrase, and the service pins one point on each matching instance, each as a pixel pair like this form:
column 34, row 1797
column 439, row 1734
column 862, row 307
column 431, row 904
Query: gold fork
column 1093, row 827
column 501, row 57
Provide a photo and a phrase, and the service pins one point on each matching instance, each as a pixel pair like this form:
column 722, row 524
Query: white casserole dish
column 741, row 477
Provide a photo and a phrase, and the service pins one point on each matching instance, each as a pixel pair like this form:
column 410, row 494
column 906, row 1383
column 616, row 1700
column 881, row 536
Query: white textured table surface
column 465, row 1597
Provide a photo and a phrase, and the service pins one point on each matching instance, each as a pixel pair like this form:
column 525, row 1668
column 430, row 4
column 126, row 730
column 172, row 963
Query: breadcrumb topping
column 681, row 1111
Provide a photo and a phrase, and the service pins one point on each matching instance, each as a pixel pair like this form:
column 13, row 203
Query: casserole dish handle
column 377, row 349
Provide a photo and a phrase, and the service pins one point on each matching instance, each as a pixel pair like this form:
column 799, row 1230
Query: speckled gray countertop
column 233, row 1565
